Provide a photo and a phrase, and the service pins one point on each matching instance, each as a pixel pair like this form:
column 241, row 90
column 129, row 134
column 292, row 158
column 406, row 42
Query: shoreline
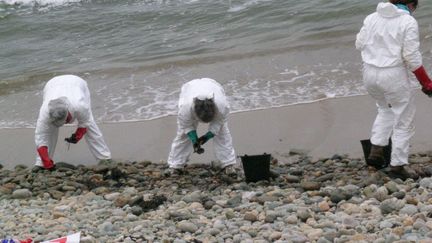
column 232, row 112
column 322, row 129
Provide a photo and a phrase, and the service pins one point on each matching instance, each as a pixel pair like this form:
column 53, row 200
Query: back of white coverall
column 187, row 121
column 389, row 44
column 77, row 93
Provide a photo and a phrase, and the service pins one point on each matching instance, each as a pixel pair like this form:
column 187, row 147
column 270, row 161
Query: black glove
column 427, row 92
column 72, row 139
column 197, row 148
column 204, row 138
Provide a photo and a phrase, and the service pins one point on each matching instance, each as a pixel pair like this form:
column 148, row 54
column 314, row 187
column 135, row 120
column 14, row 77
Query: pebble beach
column 335, row 199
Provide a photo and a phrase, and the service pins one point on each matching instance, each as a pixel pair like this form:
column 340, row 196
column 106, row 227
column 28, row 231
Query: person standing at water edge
column 389, row 44
column 202, row 101
column 66, row 99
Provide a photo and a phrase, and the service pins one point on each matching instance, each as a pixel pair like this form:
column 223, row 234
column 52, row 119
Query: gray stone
column 22, row 194
column 350, row 223
column 112, row 196
column 369, row 191
column 266, row 198
column 234, row 201
column 337, row 195
column 418, row 224
column 56, row 194
column 87, row 239
column 323, row 240
column 391, row 187
column 186, row 226
column 296, row 171
column 349, row 191
column 304, row 214
column 229, row 214
column 380, row 240
column 391, row 205
column 408, row 210
column 291, row 219
column 136, row 210
column 192, row 197
column 20, row 167
column 381, row 194
column 411, row 237
column 354, row 163
column 213, row 231
column 64, row 165
column 270, row 217
column 292, row 179
column 310, row 185
column 219, row 224
column 326, row 177
column 107, row 228
column 426, row 209
column 209, row 204
column 295, row 238
column 385, row 224
column 182, row 214
column 399, row 195
column 426, row 183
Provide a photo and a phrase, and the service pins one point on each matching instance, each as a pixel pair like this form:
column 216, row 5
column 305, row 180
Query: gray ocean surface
column 135, row 54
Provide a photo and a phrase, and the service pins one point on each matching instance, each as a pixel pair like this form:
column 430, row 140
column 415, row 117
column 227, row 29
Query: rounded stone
column 22, row 194
column 251, row 216
column 186, row 226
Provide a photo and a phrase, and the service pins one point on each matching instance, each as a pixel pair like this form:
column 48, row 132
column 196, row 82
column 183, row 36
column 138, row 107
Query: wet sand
column 322, row 128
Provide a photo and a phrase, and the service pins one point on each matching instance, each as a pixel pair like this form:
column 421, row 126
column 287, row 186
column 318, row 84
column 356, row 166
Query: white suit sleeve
column 43, row 132
column 216, row 125
column 361, row 36
column 83, row 115
column 411, row 46
column 184, row 118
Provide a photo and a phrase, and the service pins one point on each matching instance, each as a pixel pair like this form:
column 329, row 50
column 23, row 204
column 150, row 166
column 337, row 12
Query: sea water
column 136, row 54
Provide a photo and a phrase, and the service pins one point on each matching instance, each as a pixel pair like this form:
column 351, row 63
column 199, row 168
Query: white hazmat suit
column 78, row 96
column 389, row 44
column 187, row 121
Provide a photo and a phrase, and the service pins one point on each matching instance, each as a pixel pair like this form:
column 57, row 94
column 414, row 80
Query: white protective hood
column 389, row 38
column 204, row 88
column 388, row 10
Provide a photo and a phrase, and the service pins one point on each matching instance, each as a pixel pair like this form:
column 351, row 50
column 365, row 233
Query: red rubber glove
column 46, row 160
column 75, row 137
column 79, row 133
column 424, row 80
column 26, row 241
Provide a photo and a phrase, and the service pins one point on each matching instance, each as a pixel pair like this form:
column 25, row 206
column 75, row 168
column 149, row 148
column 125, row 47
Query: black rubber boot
column 403, row 172
column 376, row 157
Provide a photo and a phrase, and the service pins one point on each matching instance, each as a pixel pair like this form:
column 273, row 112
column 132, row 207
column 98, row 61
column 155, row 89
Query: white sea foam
column 39, row 2
column 235, row 7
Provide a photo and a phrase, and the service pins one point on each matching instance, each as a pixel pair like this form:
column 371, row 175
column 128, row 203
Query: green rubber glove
column 193, row 136
column 209, row 135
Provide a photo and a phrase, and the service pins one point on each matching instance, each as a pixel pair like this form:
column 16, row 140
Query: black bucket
column 366, row 144
column 256, row 167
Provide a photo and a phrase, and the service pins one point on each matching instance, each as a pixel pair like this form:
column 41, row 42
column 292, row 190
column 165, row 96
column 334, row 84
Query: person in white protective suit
column 389, row 45
column 66, row 99
column 202, row 101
